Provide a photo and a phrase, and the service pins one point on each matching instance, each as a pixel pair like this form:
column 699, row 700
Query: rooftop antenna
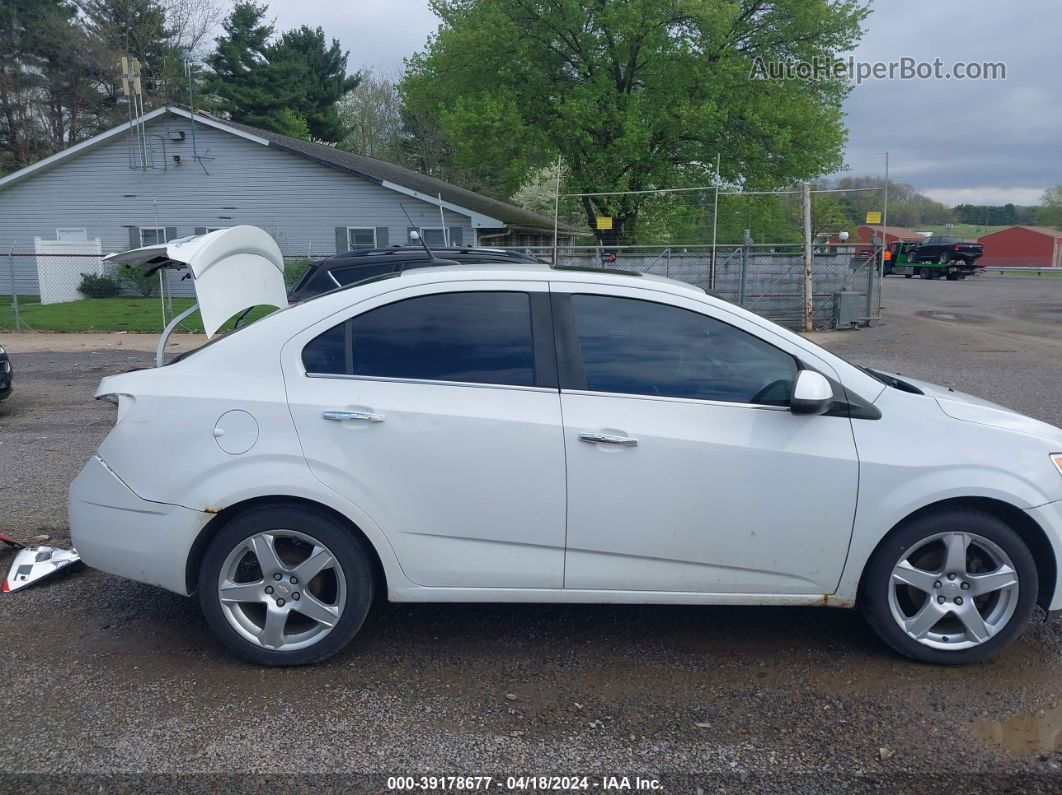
column 131, row 88
column 418, row 235
column 187, row 53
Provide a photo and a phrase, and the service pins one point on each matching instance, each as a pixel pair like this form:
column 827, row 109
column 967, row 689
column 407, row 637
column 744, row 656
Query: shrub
column 93, row 286
column 135, row 279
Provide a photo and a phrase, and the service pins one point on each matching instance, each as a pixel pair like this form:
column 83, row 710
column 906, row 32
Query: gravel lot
column 104, row 676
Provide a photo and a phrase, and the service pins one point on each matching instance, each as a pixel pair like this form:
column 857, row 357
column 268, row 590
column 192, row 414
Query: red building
column 868, row 232
column 861, row 244
column 1032, row 246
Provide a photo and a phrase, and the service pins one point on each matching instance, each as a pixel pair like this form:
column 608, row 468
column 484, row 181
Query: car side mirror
column 812, row 393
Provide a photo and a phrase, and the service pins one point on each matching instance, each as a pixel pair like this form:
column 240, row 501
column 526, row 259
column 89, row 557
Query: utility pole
column 715, row 221
column 556, row 212
column 878, row 270
column 809, row 314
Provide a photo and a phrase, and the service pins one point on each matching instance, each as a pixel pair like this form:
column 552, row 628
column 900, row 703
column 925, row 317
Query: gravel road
column 101, row 677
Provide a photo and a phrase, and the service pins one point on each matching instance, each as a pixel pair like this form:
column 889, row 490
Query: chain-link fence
column 765, row 278
column 75, row 290
column 767, row 251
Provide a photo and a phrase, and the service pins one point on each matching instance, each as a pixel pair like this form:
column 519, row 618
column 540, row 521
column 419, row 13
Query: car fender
column 289, row 477
column 878, row 514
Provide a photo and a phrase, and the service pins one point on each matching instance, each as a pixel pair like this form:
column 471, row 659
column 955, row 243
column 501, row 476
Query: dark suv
column 340, row 270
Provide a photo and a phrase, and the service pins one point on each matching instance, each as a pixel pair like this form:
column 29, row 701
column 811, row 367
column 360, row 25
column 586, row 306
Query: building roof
column 1040, row 230
column 486, row 212
column 902, row 232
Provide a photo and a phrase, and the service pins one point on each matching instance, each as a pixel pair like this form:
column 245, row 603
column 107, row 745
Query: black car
column 5, row 374
column 943, row 249
column 340, row 270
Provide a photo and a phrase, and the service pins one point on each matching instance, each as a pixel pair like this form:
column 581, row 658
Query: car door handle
column 364, row 416
column 606, row 438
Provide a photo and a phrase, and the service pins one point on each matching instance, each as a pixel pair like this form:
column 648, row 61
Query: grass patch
column 1057, row 274
column 967, row 231
column 140, row 315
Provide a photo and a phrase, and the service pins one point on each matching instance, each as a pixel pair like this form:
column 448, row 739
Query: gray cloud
column 963, row 140
column 966, row 140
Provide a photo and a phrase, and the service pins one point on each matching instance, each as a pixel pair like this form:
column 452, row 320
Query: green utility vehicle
column 907, row 258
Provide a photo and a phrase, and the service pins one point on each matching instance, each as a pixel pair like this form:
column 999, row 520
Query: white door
column 686, row 470
column 436, row 415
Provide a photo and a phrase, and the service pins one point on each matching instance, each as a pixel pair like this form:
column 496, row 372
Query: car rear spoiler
column 232, row 270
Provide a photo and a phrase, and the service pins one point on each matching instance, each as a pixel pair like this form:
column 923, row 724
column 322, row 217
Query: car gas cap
column 236, row 432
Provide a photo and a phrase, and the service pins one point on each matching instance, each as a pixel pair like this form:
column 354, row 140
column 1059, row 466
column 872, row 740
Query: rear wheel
column 282, row 585
column 925, row 273
column 943, row 259
column 954, row 586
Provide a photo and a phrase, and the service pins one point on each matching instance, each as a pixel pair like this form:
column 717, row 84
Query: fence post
column 14, row 292
column 746, row 242
column 809, row 314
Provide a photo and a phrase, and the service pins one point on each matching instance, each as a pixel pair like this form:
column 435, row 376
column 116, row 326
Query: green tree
column 239, row 81
column 1049, row 213
column 371, row 115
column 316, row 74
column 48, row 96
column 634, row 94
column 907, row 207
column 290, row 85
column 135, row 28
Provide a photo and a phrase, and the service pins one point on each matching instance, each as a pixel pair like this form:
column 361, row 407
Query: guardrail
column 1003, row 270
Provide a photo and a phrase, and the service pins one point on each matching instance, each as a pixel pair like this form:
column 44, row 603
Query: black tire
column 347, row 549
column 877, row 580
column 908, row 275
column 944, row 258
column 925, row 273
column 952, row 277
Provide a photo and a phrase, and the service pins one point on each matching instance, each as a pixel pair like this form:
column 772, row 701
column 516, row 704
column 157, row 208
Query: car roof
column 540, row 271
column 415, row 252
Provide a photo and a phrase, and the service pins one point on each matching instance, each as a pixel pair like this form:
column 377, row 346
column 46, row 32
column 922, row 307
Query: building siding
column 1019, row 246
column 299, row 202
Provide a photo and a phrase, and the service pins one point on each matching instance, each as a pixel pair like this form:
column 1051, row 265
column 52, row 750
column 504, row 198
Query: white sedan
column 520, row 433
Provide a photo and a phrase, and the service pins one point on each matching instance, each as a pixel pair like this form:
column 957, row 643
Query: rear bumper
column 1049, row 517
column 117, row 532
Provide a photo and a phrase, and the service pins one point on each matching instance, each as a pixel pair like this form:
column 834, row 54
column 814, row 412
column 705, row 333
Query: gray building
column 174, row 174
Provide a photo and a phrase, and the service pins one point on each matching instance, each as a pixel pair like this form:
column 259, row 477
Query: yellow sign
column 873, row 217
column 604, row 222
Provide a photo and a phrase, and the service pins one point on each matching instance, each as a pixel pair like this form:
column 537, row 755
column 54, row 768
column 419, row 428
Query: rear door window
column 470, row 337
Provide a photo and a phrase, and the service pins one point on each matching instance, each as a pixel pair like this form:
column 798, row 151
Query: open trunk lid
column 232, row 270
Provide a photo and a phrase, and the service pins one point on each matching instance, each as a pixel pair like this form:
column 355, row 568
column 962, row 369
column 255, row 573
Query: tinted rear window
column 477, row 337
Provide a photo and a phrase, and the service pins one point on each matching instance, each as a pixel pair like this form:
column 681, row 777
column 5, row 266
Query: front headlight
column 1057, row 458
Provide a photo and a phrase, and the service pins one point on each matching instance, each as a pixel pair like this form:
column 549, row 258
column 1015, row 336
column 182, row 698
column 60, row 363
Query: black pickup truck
column 943, row 249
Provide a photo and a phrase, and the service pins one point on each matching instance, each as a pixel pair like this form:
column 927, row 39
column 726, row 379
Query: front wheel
column 943, row 259
column 953, row 586
column 282, row 585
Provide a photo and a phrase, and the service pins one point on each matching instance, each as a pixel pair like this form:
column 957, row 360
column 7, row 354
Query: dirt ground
column 101, row 676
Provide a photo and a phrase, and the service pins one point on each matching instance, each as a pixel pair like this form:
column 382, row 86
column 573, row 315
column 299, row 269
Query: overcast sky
column 975, row 141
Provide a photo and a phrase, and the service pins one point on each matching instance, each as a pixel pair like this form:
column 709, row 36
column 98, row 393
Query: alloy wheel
column 953, row 590
column 281, row 590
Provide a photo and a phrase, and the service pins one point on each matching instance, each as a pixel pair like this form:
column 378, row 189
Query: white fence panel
column 53, row 267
